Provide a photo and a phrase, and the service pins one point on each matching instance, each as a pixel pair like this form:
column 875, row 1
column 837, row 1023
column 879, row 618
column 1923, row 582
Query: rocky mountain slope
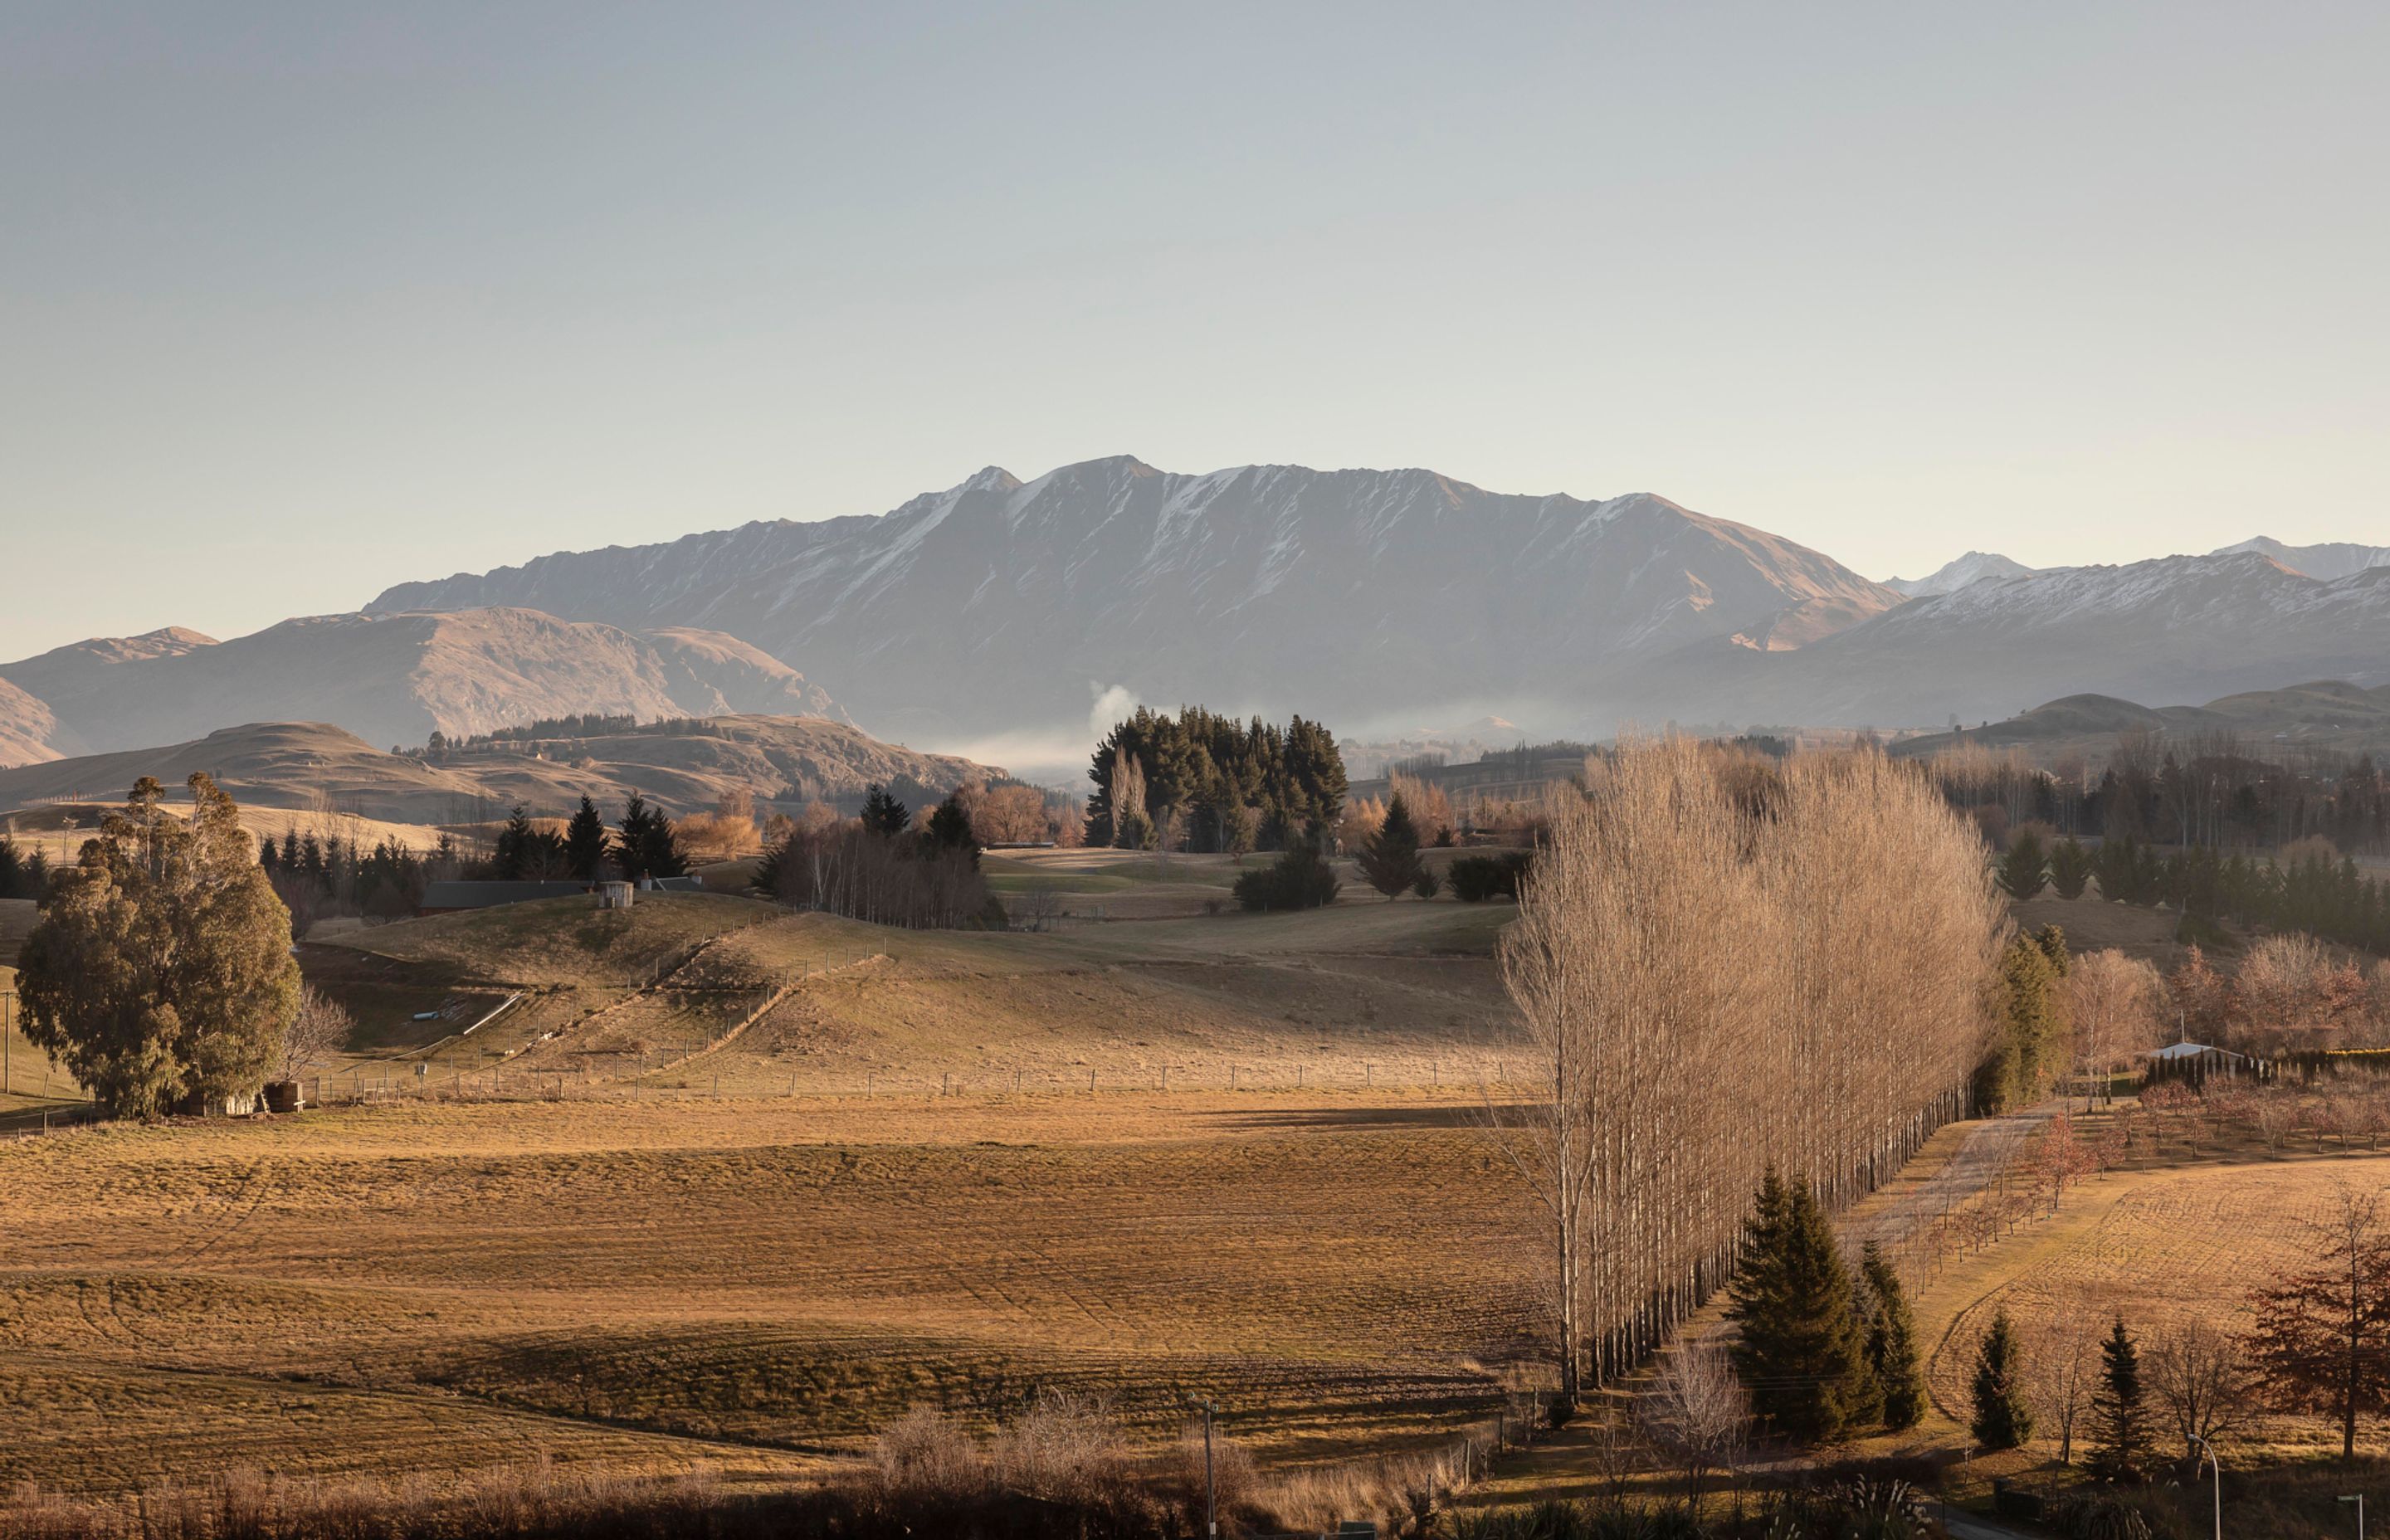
column 1378, row 595
column 391, row 678
column 685, row 767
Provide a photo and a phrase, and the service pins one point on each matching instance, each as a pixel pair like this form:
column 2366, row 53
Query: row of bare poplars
column 1723, row 964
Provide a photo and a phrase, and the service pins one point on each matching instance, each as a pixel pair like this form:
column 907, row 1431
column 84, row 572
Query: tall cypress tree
column 2120, row 1426
column 2003, row 1418
column 1891, row 1341
column 1801, row 1350
column 584, row 841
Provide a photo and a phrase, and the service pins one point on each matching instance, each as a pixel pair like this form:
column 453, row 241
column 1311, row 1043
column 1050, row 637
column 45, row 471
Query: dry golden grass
column 32, row 1084
column 706, row 991
column 2093, row 925
column 2161, row 1246
column 59, row 829
column 443, row 1286
column 453, row 1280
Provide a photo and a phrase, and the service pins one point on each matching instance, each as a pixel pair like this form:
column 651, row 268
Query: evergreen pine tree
column 883, row 813
column 660, row 851
column 2025, row 868
column 631, row 840
column 35, row 883
column 950, row 827
column 290, row 851
column 1390, row 858
column 1891, row 1341
column 1802, row 1352
column 2070, row 868
column 2003, row 1418
column 2120, row 1428
column 773, row 865
column 584, row 841
column 269, row 856
column 514, row 850
column 12, row 868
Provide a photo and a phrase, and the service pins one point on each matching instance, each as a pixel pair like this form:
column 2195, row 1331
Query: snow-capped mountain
column 1973, row 567
column 2335, row 560
column 1369, row 596
column 2177, row 628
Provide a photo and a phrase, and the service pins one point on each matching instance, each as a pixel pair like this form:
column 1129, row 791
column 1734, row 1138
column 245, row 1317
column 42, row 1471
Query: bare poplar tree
column 2114, row 1001
column 1722, row 963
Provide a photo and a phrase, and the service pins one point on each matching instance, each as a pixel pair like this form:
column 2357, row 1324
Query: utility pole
column 1210, row 1516
column 8, row 1011
column 2359, row 1500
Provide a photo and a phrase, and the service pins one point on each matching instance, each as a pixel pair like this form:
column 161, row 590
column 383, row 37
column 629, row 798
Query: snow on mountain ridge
column 1272, row 586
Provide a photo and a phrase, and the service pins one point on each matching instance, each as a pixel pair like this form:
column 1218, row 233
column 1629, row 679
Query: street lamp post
column 2358, row 1498
column 2216, row 1466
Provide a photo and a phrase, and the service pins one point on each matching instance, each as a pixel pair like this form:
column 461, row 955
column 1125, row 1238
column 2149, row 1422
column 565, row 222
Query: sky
column 298, row 301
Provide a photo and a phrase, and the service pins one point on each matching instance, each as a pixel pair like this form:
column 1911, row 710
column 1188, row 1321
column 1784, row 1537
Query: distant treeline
column 2311, row 890
column 550, row 729
column 2212, row 790
column 1201, row 782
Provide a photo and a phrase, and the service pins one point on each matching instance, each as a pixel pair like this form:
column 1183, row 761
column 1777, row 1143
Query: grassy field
column 30, row 1084
column 732, row 1187
column 565, row 1240
column 706, row 992
column 754, row 1284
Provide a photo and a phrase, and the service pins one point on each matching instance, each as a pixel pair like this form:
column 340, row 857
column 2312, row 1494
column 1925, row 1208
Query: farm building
column 2195, row 1061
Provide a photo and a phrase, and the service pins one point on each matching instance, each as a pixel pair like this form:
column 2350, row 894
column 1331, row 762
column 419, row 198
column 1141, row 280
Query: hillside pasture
column 735, row 994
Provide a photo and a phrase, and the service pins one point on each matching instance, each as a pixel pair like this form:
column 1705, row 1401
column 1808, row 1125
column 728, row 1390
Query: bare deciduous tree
column 1722, row 963
column 321, row 1028
column 1698, row 1413
column 2201, row 1380
column 2114, row 1001
column 2064, row 1369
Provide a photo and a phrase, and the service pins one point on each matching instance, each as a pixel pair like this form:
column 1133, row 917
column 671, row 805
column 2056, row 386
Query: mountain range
column 393, row 678
column 2327, row 563
column 1370, row 596
column 999, row 612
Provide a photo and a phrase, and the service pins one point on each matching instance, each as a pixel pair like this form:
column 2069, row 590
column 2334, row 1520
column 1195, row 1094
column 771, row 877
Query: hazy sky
column 297, row 301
